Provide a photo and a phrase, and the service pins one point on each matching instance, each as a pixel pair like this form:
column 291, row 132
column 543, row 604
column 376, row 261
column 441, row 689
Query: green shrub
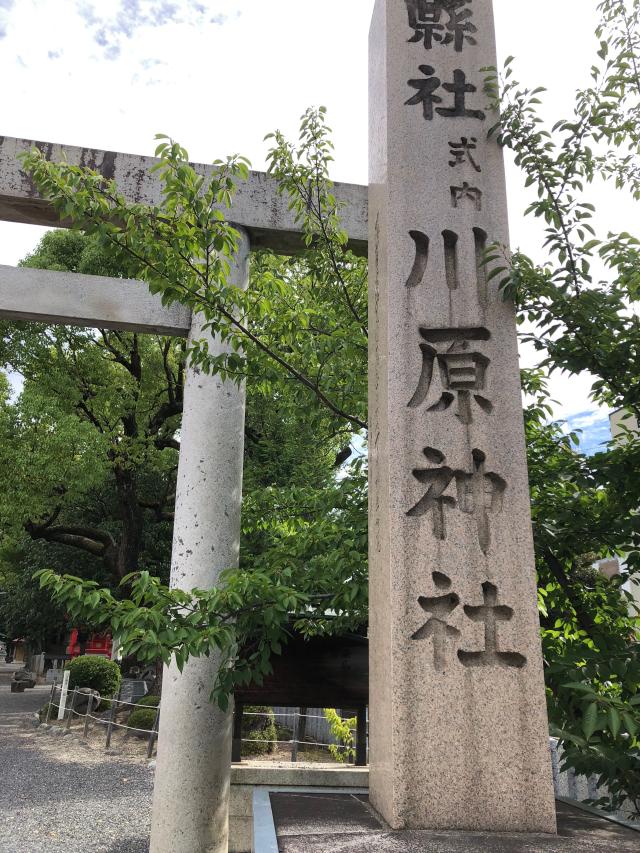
column 42, row 713
column 95, row 672
column 142, row 718
column 149, row 701
column 258, row 727
column 343, row 729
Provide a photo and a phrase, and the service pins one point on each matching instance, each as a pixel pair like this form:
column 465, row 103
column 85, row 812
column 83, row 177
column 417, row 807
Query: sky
column 220, row 74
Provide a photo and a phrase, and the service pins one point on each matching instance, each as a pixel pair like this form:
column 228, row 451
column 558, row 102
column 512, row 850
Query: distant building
column 621, row 422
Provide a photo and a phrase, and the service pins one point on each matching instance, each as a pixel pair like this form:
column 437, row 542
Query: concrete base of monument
column 338, row 822
column 251, row 776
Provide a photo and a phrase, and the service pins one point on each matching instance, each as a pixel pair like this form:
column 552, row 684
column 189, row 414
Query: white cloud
column 5, row 7
column 110, row 28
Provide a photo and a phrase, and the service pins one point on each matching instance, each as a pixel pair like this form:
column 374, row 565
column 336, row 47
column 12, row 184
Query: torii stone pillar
column 191, row 793
column 458, row 726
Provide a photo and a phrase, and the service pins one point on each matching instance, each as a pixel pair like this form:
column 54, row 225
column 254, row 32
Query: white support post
column 191, row 795
column 63, row 695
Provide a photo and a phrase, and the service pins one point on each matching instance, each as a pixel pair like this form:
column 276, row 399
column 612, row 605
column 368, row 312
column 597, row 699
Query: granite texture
column 258, row 206
column 191, row 795
column 458, row 726
column 324, row 823
column 48, row 296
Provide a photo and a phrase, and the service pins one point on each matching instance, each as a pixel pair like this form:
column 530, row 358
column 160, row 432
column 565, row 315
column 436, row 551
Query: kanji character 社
column 426, row 96
column 490, row 612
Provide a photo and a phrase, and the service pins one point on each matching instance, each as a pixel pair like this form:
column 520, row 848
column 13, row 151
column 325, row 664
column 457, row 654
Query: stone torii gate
column 458, row 736
column 191, row 793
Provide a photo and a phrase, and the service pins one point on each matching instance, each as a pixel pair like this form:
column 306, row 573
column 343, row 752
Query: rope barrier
column 116, row 703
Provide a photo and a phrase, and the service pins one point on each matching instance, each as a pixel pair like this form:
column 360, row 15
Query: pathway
column 55, row 802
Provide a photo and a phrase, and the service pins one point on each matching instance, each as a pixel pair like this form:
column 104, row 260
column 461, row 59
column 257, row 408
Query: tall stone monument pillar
column 458, row 730
column 191, row 792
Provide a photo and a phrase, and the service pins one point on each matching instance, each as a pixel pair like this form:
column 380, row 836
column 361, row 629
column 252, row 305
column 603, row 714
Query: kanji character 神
column 426, row 96
column 479, row 493
column 462, row 371
column 426, row 19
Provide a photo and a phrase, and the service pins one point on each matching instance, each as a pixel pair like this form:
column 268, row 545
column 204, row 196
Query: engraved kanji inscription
column 478, row 492
column 434, row 500
column 461, row 369
column 462, row 152
column 466, row 191
column 419, row 268
column 439, row 608
column 430, row 84
column 490, row 612
column 443, row 21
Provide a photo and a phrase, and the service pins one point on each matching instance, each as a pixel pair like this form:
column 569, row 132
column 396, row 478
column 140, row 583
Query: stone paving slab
column 336, row 823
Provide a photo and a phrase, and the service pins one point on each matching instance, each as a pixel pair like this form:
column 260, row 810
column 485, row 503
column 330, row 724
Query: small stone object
column 22, row 679
column 82, row 699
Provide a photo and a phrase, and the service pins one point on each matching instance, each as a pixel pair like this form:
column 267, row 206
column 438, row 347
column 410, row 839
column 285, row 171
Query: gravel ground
column 77, row 800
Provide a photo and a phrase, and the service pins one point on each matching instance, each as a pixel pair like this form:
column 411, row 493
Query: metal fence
column 309, row 727
column 316, row 724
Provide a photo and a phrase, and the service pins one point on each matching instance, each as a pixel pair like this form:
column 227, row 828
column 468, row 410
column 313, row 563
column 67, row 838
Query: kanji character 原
column 462, row 371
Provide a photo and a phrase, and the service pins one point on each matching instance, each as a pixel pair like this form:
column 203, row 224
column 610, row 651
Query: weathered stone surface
column 26, row 677
column 82, row 700
column 96, row 301
column 191, row 794
column 258, row 207
column 458, row 727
